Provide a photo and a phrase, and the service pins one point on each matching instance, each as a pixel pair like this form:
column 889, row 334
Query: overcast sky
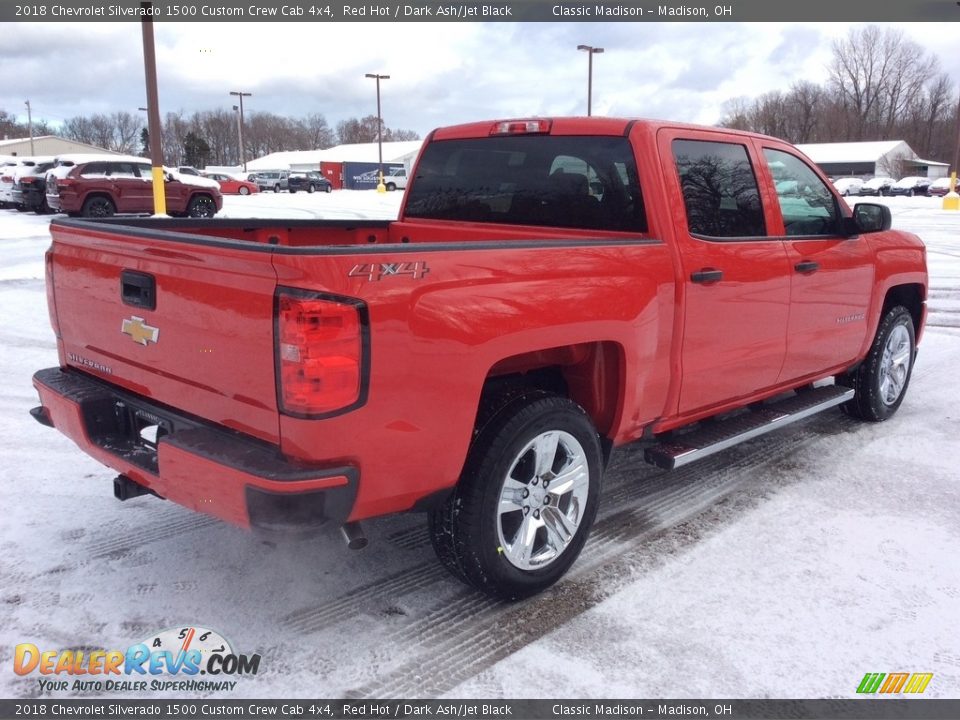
column 441, row 73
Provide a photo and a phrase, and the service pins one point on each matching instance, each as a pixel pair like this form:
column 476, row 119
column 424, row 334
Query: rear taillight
column 321, row 353
column 51, row 298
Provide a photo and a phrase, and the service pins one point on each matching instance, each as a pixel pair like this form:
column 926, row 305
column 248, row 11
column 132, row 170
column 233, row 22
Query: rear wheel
column 276, row 188
column 244, row 190
column 98, row 206
column 328, row 188
column 202, row 206
column 881, row 380
column 528, row 495
column 391, row 186
column 310, row 188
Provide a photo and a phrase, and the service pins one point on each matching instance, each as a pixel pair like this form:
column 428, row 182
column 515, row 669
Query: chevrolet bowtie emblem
column 141, row 333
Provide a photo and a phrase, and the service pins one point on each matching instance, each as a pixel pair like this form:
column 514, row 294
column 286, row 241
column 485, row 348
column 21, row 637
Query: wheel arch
column 589, row 374
column 913, row 297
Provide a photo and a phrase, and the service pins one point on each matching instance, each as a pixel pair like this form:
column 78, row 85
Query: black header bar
column 490, row 11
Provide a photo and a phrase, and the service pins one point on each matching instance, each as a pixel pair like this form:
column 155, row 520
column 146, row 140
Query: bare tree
column 803, row 106
column 126, row 132
column 878, row 75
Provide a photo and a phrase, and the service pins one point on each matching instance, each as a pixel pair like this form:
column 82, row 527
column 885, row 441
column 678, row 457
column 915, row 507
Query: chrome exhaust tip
column 353, row 535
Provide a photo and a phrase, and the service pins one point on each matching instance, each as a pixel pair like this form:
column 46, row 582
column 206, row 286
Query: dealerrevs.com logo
column 170, row 661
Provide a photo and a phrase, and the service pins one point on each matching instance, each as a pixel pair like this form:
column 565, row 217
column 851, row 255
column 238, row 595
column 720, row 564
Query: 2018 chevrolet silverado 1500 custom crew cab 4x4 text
column 552, row 288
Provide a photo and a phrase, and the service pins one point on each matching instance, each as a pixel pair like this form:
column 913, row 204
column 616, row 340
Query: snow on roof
column 934, row 163
column 368, row 152
column 354, row 152
column 854, row 152
column 13, row 141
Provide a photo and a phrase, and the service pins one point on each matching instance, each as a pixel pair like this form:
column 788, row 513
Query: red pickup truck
column 552, row 288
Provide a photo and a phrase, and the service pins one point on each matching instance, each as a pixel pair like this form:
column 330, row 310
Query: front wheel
column 525, row 502
column 328, row 188
column 244, row 190
column 881, row 380
column 310, row 188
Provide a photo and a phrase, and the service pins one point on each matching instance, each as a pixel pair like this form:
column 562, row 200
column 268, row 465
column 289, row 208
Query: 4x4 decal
column 378, row 271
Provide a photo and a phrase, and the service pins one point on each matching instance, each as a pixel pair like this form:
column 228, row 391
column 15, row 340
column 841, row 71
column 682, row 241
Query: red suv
column 102, row 187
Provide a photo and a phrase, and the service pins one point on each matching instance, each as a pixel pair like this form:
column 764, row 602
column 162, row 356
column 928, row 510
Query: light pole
column 236, row 112
column 30, row 125
column 380, row 186
column 591, row 51
column 241, row 95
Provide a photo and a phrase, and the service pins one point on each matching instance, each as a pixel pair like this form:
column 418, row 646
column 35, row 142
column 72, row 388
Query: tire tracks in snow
column 643, row 510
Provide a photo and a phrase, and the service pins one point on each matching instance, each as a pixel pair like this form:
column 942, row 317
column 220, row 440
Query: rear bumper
column 193, row 463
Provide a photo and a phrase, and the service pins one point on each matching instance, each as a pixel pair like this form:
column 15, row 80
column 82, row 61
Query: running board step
column 724, row 434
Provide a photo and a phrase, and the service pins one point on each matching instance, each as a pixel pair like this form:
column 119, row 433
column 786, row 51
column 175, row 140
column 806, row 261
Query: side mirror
column 869, row 218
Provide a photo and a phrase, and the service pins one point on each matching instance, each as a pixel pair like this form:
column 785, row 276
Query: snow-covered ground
column 786, row 567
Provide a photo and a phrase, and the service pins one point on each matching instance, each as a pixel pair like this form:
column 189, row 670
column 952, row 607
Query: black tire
column 276, row 188
column 292, row 191
column 328, row 188
column 311, row 188
column 391, row 187
column 469, row 530
column 881, row 380
column 202, row 206
column 910, row 192
column 98, row 206
column 21, row 207
column 244, row 190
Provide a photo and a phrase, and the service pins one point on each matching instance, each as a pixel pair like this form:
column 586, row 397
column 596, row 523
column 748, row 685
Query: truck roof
column 573, row 126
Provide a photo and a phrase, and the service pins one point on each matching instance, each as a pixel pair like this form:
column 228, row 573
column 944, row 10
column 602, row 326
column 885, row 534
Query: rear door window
column 720, row 191
column 544, row 180
column 95, row 170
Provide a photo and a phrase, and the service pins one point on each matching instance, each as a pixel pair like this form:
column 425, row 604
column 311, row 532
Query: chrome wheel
column 895, row 365
column 542, row 500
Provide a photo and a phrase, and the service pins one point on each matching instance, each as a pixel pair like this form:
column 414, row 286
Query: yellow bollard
column 951, row 201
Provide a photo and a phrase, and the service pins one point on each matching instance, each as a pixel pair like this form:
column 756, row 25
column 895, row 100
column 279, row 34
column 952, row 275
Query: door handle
column 138, row 289
column 807, row 266
column 707, row 275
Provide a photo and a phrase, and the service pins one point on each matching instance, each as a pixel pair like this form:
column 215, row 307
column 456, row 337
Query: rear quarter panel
column 435, row 339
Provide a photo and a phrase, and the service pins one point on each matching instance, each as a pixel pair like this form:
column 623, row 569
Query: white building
column 892, row 158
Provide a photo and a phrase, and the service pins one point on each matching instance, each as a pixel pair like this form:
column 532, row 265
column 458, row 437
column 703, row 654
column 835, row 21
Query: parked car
column 939, row 187
column 124, row 184
column 275, row 180
column 396, row 179
column 910, row 186
column 877, row 186
column 309, row 181
column 848, row 185
column 8, row 169
column 29, row 186
column 233, row 186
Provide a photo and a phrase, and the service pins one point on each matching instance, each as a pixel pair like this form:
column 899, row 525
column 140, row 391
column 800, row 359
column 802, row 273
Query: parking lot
column 785, row 567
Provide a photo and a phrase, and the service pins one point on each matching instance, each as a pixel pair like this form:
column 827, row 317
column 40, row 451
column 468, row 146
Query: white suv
column 275, row 180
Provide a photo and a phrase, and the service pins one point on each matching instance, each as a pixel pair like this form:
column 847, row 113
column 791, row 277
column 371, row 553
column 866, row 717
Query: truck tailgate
column 185, row 325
